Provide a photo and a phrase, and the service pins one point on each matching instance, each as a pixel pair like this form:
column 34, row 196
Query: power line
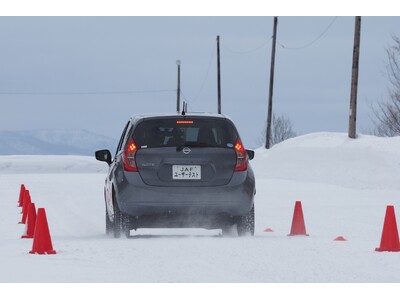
column 247, row 51
column 313, row 41
column 184, row 97
column 86, row 93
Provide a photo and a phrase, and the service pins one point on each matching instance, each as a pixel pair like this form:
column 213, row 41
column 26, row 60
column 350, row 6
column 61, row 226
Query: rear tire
column 109, row 224
column 121, row 222
column 245, row 224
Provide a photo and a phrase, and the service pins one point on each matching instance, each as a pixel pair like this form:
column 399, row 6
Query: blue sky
column 95, row 72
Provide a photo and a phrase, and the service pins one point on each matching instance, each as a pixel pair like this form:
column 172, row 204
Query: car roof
column 138, row 118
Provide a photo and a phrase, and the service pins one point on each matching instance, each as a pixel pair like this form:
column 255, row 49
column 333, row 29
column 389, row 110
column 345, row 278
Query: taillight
column 128, row 157
column 241, row 156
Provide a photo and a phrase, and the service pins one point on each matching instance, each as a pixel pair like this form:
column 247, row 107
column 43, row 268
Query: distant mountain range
column 54, row 142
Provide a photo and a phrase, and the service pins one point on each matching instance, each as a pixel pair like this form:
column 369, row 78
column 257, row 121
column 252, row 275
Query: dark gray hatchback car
column 177, row 171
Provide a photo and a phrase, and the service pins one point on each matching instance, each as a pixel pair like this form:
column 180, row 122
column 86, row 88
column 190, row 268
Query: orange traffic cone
column 27, row 201
column 390, row 234
column 41, row 239
column 298, row 226
column 30, row 226
column 25, row 195
column 340, row 239
column 21, row 196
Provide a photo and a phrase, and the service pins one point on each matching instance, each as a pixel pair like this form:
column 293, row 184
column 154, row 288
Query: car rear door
column 185, row 151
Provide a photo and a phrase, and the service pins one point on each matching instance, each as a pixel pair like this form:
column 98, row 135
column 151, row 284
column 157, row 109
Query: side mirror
column 104, row 155
column 250, row 154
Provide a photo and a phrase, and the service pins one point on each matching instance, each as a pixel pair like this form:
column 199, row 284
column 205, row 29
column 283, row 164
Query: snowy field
column 344, row 186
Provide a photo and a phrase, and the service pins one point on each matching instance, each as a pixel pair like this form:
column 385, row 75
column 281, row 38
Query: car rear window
column 173, row 132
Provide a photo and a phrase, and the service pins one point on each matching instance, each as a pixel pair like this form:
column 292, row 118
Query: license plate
column 185, row 172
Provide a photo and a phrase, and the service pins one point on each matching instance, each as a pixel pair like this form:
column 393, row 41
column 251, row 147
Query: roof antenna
column 184, row 108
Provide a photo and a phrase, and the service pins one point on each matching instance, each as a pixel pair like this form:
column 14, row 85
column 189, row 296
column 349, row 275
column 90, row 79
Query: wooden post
column 219, row 76
column 178, row 91
column 354, row 80
column 271, row 86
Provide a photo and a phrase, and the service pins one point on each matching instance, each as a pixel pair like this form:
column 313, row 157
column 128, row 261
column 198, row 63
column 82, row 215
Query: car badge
column 186, row 150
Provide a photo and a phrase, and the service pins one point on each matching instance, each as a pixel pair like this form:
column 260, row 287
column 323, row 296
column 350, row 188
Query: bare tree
column 281, row 129
column 387, row 114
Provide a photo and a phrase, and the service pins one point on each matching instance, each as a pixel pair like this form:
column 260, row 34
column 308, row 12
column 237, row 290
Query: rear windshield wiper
column 193, row 144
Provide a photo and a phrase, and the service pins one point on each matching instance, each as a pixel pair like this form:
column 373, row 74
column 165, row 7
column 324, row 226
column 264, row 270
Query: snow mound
column 367, row 162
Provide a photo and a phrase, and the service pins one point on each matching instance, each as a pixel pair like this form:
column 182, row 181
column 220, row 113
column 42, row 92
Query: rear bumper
column 140, row 200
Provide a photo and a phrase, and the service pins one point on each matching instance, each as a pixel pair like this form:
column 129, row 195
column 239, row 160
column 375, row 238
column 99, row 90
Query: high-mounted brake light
column 184, row 122
column 128, row 157
column 241, row 156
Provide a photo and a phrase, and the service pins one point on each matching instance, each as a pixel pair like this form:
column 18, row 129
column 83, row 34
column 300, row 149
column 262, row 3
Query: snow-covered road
column 332, row 206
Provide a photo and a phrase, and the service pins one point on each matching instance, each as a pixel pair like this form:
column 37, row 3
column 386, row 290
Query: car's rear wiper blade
column 193, row 144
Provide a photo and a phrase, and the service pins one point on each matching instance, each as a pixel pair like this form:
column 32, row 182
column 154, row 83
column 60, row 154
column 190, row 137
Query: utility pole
column 178, row 91
column 354, row 80
column 271, row 86
column 219, row 76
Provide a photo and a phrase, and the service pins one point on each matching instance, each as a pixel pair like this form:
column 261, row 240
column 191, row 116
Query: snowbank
column 333, row 158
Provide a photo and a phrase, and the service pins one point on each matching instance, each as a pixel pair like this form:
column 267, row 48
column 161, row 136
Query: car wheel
column 121, row 222
column 245, row 224
column 109, row 224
